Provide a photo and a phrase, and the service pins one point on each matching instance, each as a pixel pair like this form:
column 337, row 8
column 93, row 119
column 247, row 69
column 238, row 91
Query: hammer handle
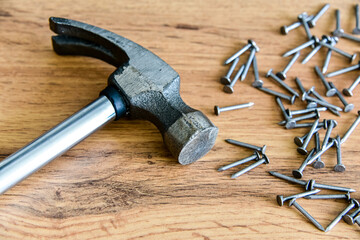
column 55, row 142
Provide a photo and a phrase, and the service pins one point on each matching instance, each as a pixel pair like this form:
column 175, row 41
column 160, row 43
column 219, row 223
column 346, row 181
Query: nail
column 330, row 126
column 330, row 196
column 356, row 30
column 311, row 184
column 264, row 159
column 286, row 116
column 302, row 18
column 256, row 156
column 230, row 88
column 282, row 83
column 302, row 149
column 318, row 163
column 281, row 199
column 352, row 204
column 298, row 173
column 344, row 70
column 347, row 106
column 313, row 21
column 348, row 91
column 351, row 57
column 291, row 113
column 251, row 43
column 282, row 74
column 328, row 55
column 330, row 91
column 308, row 125
column 321, row 152
column 247, row 145
column 299, row 141
column 226, row 79
column 351, row 129
column 350, row 218
column 339, row 167
column 318, row 96
column 320, row 102
column 218, row 110
column 302, row 90
column 286, row 29
column 257, row 82
column 314, row 51
column 306, row 214
column 291, row 99
column 315, row 114
column 342, row 34
column 302, row 46
column 287, row 178
column 248, row 63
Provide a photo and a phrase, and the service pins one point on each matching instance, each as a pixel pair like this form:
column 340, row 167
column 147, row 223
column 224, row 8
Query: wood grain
column 121, row 183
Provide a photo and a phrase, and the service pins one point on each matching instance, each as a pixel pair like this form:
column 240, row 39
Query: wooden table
column 121, row 183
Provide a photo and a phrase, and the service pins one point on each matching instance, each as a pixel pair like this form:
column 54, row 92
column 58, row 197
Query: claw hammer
column 142, row 87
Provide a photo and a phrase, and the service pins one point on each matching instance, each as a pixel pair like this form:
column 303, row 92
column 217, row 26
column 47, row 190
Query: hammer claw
column 65, row 45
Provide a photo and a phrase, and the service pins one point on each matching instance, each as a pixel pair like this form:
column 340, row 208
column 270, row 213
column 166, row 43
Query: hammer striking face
column 142, row 87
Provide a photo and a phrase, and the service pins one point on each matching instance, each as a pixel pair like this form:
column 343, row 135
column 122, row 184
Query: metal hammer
column 142, row 87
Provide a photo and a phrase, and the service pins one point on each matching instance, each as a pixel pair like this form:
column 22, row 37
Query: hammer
column 142, row 87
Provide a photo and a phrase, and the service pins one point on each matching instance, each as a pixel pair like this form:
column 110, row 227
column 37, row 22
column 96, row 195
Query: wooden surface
column 121, row 183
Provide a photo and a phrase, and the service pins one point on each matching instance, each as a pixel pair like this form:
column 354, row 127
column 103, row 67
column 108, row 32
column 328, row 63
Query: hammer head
column 149, row 86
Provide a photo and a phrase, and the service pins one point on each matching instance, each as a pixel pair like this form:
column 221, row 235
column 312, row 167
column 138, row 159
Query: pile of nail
column 311, row 190
column 315, row 103
column 259, row 156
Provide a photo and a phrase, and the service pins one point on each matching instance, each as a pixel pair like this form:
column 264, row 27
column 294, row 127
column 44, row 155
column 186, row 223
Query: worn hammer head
column 149, row 86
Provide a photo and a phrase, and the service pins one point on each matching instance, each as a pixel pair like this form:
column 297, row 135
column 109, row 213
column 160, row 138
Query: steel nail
column 287, row 178
column 302, row 18
column 351, row 129
column 255, row 156
column 349, row 91
column 330, row 125
column 320, row 102
column 247, row 145
column 350, row 218
column 230, row 87
column 330, row 196
column 251, row 43
column 282, row 74
column 291, row 99
column 299, row 141
column 226, row 79
column 306, row 214
column 351, row 57
column 257, row 82
column 321, row 152
column 298, row 173
column 328, row 55
column 339, row 167
column 308, row 125
column 282, row 83
column 311, row 184
column 218, row 110
column 315, row 50
column 281, row 199
column 302, row 46
column 291, row 113
column 313, row 21
column 302, row 90
column 352, row 204
column 318, row 163
column 344, row 70
column 248, row 63
column 330, row 91
column 318, row 96
column 356, row 30
column 347, row 106
column 286, row 29
column 264, row 159
column 283, row 111
column 302, row 149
